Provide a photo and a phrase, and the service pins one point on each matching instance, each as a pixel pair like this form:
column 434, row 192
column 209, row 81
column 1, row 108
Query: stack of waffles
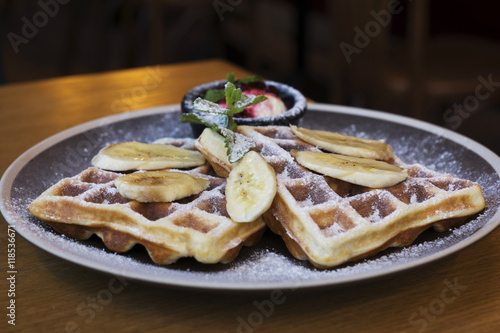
column 322, row 219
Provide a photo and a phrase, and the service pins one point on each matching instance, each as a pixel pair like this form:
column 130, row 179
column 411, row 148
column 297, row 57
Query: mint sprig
column 216, row 95
column 220, row 119
column 237, row 101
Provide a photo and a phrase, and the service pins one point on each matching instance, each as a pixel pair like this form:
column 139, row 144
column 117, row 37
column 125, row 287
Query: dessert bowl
column 293, row 99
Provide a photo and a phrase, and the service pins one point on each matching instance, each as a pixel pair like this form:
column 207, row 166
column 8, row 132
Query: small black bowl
column 293, row 99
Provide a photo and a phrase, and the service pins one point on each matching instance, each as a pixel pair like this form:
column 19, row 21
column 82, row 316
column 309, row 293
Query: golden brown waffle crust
column 198, row 226
column 330, row 222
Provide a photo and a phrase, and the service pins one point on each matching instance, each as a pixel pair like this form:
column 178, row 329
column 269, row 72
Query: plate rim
column 10, row 174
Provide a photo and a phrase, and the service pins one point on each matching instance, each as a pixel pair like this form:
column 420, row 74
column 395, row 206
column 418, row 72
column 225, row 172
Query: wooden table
column 460, row 293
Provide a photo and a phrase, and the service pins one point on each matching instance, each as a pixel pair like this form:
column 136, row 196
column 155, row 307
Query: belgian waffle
column 197, row 226
column 330, row 222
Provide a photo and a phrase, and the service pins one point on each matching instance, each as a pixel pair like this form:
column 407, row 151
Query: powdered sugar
column 237, row 144
column 333, row 230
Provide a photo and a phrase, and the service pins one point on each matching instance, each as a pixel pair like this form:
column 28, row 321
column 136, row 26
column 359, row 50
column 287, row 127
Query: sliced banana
column 355, row 170
column 159, row 186
column 345, row 144
column 186, row 143
column 212, row 146
column 250, row 189
column 145, row 156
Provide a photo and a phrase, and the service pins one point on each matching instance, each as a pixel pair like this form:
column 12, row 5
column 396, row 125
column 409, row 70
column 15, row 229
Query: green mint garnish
column 214, row 95
column 220, row 119
column 203, row 105
column 213, row 121
column 236, row 101
column 251, row 79
column 247, row 100
column 237, row 144
column 217, row 95
column 230, row 77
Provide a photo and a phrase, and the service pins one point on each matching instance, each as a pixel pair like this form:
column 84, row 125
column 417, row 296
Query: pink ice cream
column 272, row 106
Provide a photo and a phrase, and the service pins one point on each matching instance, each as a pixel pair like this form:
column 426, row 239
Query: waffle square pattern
column 197, row 226
column 329, row 222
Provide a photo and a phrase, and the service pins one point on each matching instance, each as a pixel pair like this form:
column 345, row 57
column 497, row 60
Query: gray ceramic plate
column 267, row 265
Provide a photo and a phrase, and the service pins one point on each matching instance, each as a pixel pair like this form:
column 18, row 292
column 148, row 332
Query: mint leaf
column 232, row 124
column 251, row 79
column 237, row 101
column 230, row 77
column 217, row 95
column 237, row 144
column 213, row 121
column 203, row 105
column 233, row 95
column 214, row 95
column 191, row 118
column 246, row 100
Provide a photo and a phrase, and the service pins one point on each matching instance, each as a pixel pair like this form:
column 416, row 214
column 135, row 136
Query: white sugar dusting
column 413, row 199
column 375, row 216
column 238, row 145
column 268, row 265
column 333, row 230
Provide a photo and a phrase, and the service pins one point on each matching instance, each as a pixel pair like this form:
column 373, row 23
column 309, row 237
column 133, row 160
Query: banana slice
column 345, row 144
column 159, row 186
column 212, row 146
column 145, row 156
column 356, row 170
column 250, row 189
column 186, row 143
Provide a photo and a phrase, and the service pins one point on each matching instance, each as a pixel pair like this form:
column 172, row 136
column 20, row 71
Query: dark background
column 428, row 59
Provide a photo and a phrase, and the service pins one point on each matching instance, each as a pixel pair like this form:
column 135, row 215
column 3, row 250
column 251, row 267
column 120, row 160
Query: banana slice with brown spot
column 145, row 156
column 345, row 144
column 159, row 186
column 355, row 170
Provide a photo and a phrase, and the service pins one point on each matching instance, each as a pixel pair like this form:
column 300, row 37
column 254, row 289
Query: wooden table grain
column 460, row 293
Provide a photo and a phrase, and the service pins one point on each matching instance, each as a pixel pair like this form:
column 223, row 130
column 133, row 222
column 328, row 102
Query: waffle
column 330, row 222
column 197, row 226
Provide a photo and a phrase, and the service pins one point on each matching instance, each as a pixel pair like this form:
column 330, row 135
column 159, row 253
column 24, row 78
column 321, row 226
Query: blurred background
column 434, row 60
